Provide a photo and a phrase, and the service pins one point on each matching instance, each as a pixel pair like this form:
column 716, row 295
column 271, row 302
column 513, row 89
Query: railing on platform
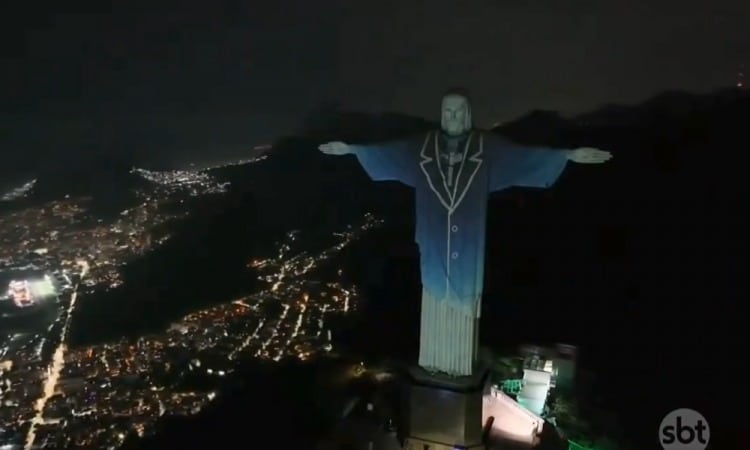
column 512, row 386
column 576, row 446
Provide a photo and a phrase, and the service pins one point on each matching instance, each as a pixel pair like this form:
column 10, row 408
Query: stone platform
column 443, row 412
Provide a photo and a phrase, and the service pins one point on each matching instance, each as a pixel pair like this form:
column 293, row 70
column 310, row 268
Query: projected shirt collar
column 450, row 174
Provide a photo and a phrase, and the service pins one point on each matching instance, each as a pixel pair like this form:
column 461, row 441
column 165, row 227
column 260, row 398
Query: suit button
column 454, row 255
column 454, row 228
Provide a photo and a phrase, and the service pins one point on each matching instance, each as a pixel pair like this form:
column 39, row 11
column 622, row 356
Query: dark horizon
column 106, row 138
column 199, row 82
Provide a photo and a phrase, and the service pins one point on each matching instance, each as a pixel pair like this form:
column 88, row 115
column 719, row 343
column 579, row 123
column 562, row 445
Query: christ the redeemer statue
column 453, row 171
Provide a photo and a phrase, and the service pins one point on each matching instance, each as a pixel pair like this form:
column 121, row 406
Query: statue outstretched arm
column 387, row 161
column 589, row 155
column 512, row 164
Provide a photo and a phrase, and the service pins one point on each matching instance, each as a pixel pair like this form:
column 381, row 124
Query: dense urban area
column 96, row 396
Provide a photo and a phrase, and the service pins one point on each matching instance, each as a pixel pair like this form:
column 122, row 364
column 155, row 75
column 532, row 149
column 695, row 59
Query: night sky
column 194, row 80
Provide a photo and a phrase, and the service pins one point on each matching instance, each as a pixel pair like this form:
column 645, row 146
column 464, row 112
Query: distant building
column 559, row 361
column 536, row 387
column 20, row 293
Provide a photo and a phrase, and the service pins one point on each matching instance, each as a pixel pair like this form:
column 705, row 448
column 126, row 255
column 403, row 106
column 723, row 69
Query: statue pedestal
column 444, row 413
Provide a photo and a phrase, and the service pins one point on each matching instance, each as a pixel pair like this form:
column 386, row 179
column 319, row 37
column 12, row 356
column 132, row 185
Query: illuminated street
column 58, row 396
column 56, row 367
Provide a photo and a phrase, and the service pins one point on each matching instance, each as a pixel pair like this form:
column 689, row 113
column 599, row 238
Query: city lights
column 96, row 396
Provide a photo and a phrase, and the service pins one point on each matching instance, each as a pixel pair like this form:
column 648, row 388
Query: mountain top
column 669, row 104
column 541, row 125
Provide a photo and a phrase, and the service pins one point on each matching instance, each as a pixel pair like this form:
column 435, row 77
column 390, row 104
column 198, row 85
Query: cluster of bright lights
column 241, row 162
column 20, row 293
column 54, row 370
column 290, row 333
column 195, row 182
column 43, row 287
column 19, row 192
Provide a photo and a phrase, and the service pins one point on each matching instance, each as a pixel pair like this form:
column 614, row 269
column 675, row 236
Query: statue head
column 455, row 118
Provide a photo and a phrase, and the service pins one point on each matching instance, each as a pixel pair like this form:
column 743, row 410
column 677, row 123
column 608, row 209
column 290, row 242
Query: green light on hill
column 576, row 446
column 512, row 386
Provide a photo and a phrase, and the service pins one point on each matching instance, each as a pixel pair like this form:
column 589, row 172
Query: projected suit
column 451, row 216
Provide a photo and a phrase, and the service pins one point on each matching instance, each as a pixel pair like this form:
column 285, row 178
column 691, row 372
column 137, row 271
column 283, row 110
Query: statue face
column 456, row 115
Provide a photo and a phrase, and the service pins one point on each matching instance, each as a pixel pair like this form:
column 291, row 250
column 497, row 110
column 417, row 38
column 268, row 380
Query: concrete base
column 444, row 413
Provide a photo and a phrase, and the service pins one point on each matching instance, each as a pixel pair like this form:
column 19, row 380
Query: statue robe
column 451, row 222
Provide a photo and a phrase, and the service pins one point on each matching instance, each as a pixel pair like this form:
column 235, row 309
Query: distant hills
column 673, row 113
column 670, row 105
column 107, row 181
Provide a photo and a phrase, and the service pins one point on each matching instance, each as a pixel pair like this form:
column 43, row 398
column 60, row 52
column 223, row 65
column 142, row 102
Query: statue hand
column 335, row 148
column 588, row 155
